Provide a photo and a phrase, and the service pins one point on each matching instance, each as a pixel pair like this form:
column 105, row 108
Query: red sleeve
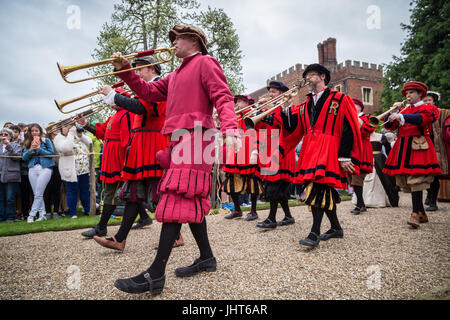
column 100, row 129
column 366, row 128
column 123, row 92
column 352, row 117
column 289, row 140
column 215, row 83
column 149, row 91
column 126, row 121
column 429, row 114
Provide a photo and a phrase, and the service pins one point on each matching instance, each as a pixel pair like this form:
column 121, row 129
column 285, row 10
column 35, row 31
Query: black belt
column 135, row 131
column 108, row 140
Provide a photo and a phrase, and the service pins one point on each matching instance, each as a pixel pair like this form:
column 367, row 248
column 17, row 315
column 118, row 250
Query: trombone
column 66, row 70
column 61, row 104
column 250, row 121
column 374, row 121
column 52, row 127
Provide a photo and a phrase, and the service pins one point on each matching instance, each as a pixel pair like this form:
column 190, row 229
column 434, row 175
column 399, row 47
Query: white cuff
column 402, row 120
column 344, row 159
column 109, row 99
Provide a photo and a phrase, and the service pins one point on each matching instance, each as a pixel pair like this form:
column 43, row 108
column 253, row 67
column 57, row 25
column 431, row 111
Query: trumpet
column 52, row 127
column 374, row 121
column 251, row 122
column 66, row 70
column 61, row 104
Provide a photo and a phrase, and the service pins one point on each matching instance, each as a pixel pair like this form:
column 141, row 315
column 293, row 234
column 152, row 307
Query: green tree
column 138, row 25
column 425, row 54
column 223, row 44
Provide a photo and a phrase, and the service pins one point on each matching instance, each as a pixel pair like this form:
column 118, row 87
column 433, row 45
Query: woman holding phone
column 37, row 150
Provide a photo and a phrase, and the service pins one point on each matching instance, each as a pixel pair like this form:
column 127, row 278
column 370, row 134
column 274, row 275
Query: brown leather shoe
column 423, row 218
column 119, row 246
column 414, row 220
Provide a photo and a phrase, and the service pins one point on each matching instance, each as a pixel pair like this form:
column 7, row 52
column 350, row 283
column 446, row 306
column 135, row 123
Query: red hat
column 247, row 98
column 415, row 85
column 359, row 103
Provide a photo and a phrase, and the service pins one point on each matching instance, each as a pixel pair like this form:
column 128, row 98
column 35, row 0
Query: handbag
column 419, row 143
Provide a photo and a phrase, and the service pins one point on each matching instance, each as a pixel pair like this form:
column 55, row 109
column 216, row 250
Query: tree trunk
column 156, row 29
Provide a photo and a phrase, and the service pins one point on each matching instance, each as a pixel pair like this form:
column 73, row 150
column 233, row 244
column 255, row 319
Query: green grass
column 61, row 224
column 66, row 223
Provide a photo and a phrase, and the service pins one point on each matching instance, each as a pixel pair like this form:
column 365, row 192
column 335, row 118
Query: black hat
column 320, row 69
column 278, row 85
column 148, row 60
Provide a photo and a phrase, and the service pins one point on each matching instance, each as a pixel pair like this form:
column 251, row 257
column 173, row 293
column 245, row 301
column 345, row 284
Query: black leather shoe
column 251, row 216
column 94, row 232
column 332, row 233
column 427, row 201
column 128, row 285
column 358, row 210
column 286, row 221
column 234, row 214
column 142, row 223
column 267, row 224
column 432, row 207
column 309, row 242
column 208, row 265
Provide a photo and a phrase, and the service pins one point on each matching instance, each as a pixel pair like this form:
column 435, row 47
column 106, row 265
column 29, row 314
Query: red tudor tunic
column 318, row 160
column 191, row 92
column 146, row 141
column 116, row 134
column 240, row 163
column 402, row 160
column 269, row 170
column 366, row 161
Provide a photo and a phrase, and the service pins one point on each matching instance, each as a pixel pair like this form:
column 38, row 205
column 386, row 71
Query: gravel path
column 380, row 257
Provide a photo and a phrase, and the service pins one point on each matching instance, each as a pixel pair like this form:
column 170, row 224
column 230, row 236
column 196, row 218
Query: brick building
column 359, row 80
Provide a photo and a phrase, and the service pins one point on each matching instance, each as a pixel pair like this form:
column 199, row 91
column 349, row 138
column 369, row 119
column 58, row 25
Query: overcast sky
column 274, row 36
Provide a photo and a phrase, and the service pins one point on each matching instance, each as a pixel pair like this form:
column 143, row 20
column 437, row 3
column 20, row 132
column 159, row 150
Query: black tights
column 274, row 207
column 317, row 221
column 129, row 215
column 433, row 191
column 417, row 201
column 359, row 196
column 169, row 233
column 237, row 207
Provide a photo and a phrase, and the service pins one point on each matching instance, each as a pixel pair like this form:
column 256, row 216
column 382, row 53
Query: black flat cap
column 320, row 69
column 278, row 85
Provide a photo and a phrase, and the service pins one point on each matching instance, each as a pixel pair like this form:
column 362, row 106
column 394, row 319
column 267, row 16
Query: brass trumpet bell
column 160, row 53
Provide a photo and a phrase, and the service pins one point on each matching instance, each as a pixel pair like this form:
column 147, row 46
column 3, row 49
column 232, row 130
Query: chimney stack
column 327, row 52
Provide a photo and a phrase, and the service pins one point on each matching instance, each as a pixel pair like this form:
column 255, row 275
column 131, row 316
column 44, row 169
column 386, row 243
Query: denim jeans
column 8, row 192
column 81, row 187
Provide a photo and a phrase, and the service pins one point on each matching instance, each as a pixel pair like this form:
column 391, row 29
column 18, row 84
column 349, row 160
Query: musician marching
column 366, row 161
column 413, row 159
column 241, row 168
column 328, row 123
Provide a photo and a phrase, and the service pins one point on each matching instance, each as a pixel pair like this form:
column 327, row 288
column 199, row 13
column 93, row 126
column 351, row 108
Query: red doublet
column 240, row 163
column 318, row 160
column 146, row 141
column 366, row 161
column 116, row 134
column 402, row 160
column 268, row 160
